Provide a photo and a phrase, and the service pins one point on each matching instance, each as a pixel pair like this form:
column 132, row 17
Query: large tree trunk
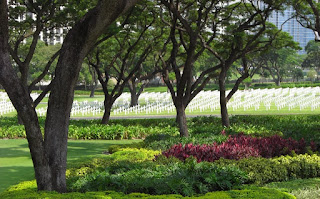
column 22, row 101
column 223, row 100
column 49, row 155
column 182, row 119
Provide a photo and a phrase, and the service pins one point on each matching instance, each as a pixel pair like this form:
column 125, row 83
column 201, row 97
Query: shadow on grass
column 14, row 174
column 78, row 148
column 20, row 150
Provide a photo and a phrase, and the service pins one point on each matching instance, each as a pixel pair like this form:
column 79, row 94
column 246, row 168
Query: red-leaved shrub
column 237, row 147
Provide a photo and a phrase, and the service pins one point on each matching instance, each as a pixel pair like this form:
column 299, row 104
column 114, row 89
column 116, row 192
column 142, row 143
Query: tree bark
column 93, row 89
column 134, row 99
column 22, row 101
column 107, row 109
column 181, row 119
column 277, row 81
column 223, row 100
column 94, row 82
column 133, row 92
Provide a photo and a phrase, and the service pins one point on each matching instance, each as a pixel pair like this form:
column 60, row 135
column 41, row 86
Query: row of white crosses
column 159, row 103
column 154, row 102
column 86, row 108
column 289, row 98
column 281, row 98
column 5, row 104
column 205, row 100
column 7, row 107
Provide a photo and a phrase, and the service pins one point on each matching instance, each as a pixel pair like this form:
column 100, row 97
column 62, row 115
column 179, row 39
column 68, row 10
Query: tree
column 246, row 31
column 122, row 55
column 312, row 74
column 280, row 63
column 138, row 82
column 188, row 22
column 312, row 59
column 40, row 69
column 260, row 61
column 297, row 74
column 308, row 15
column 49, row 153
column 94, row 80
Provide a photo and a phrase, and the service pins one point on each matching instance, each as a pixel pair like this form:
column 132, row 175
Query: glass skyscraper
column 298, row 32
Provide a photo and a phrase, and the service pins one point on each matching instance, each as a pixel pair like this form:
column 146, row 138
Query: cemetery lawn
column 16, row 164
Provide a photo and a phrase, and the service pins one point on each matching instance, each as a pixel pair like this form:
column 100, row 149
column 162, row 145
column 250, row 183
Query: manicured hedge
column 27, row 190
column 284, row 168
column 201, row 129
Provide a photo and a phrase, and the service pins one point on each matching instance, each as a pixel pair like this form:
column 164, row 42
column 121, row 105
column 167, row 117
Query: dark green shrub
column 165, row 141
column 187, row 178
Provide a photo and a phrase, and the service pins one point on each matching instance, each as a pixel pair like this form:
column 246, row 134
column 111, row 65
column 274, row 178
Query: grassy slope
column 16, row 164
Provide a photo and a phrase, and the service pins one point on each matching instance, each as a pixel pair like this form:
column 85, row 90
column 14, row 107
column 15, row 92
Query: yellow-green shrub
column 99, row 164
column 263, row 170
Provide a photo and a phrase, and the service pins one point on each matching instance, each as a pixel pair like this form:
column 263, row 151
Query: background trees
column 188, row 23
column 121, row 57
column 312, row 60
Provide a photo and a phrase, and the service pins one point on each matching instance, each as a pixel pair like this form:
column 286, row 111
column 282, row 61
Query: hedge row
column 284, row 168
column 295, row 126
column 27, row 190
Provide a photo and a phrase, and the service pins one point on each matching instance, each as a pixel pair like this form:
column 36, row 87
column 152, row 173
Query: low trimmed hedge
column 200, row 128
column 284, row 168
column 27, row 190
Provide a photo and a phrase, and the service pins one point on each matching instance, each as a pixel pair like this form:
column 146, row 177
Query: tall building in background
column 299, row 33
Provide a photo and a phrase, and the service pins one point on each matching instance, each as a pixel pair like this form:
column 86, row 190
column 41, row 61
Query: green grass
column 16, row 164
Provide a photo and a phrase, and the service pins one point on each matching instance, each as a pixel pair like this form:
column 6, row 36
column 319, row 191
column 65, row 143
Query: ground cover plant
column 240, row 146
